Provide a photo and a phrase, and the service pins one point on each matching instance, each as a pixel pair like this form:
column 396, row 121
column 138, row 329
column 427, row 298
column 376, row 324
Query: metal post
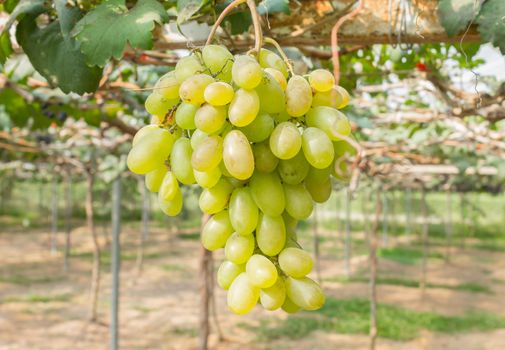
column 115, row 263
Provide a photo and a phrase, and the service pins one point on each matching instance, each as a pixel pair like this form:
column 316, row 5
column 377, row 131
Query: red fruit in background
column 421, row 66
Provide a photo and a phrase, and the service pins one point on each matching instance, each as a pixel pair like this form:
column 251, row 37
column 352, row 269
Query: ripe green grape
column 246, row 72
column 227, row 273
column 158, row 105
column 193, row 88
column 143, row 132
column 343, row 151
column 268, row 193
column 197, row 138
column 272, row 298
column 242, row 295
column 141, row 158
column 289, row 221
column 219, row 61
column 238, row 248
column 187, row 67
column 207, row 179
column 180, row 161
column 321, row 80
column 244, row 107
column 337, row 97
column 281, row 117
column 243, row 211
column 285, row 140
column 264, row 160
column 169, row 187
column 237, row 155
column 294, row 170
column 270, row 234
column 317, row 148
column 173, row 206
column 209, row 118
column 298, row 96
column 271, row 95
column 277, row 75
column 305, row 293
column 154, row 178
column 218, row 93
column 167, row 86
column 329, row 120
column 216, row 231
column 298, row 201
column 295, row 262
column 261, row 271
column 185, row 116
column 208, row 154
column 319, row 191
column 289, row 306
column 260, row 128
column 269, row 59
column 215, row 199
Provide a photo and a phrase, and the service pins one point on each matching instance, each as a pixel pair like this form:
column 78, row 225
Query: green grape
column 268, row 193
column 154, row 178
column 321, row 80
column 271, row 95
column 209, row 118
column 171, row 207
column 345, row 97
column 236, row 183
column 244, row 107
column 145, row 131
column 285, row 141
column 282, row 116
column 289, row 221
column 289, row 306
column 215, row 199
column 197, row 138
column 185, row 116
column 329, row 120
column 277, row 75
column 158, row 105
column 238, row 248
column 264, row 160
column 207, row 179
column 298, row 201
column 180, row 161
column 343, row 151
column 242, row 296
column 219, row 61
column 237, row 155
column 273, row 297
column 218, row 93
column 270, row 234
column 227, row 273
column 337, row 97
column 261, row 271
column 167, row 86
column 294, row 170
column 169, row 187
column 295, row 262
column 141, row 158
column 208, row 154
column 187, row 67
column 320, row 191
column 192, row 89
column 260, row 128
column 246, row 72
column 291, row 239
column 317, row 148
column 269, row 59
column 243, row 211
column 298, row 96
column 216, row 231
column 305, row 293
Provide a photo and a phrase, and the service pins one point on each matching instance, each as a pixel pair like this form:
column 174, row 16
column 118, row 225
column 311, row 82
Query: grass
column 353, row 317
column 172, row 267
column 27, row 281
column 406, row 256
column 37, row 298
column 105, row 256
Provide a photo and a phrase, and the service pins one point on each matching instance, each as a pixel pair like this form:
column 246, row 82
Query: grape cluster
column 262, row 144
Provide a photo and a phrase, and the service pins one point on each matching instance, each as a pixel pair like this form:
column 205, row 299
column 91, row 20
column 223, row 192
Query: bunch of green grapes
column 262, row 145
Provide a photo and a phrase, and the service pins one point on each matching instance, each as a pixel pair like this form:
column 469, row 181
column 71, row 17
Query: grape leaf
column 105, row 31
column 491, row 22
column 187, row 8
column 273, row 6
column 55, row 54
column 455, row 15
column 5, row 47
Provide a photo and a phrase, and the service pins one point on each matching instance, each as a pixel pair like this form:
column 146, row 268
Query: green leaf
column 55, row 54
column 273, row 6
column 105, row 31
column 5, row 47
column 491, row 22
column 24, row 7
column 187, row 8
column 16, row 106
column 455, row 15
column 239, row 22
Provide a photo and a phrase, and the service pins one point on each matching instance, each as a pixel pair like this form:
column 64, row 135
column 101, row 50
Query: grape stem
column 281, row 52
column 334, row 39
column 258, row 34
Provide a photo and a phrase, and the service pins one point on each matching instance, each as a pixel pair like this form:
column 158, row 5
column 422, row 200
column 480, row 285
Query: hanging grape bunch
column 262, row 143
